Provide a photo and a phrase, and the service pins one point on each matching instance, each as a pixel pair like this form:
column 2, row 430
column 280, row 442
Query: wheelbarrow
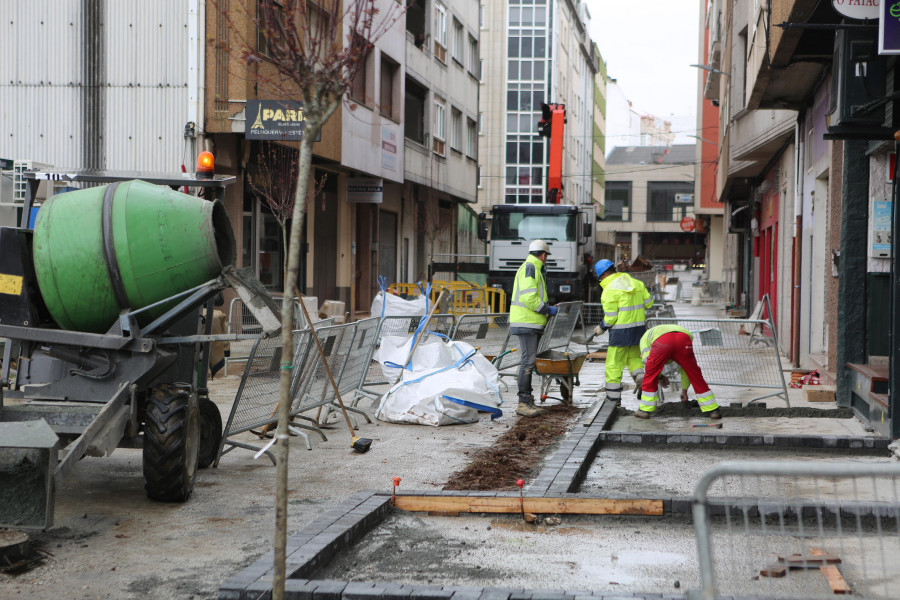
column 561, row 367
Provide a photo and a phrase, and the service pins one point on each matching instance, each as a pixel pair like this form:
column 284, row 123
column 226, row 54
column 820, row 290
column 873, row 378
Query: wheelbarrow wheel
column 210, row 432
column 171, row 444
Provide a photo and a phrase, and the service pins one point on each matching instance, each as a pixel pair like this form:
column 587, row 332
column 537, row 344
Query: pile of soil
column 517, row 454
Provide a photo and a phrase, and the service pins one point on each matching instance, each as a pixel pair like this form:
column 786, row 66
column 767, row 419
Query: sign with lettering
column 889, row 27
column 857, row 9
column 687, row 224
column 275, row 120
column 365, row 189
column 684, row 198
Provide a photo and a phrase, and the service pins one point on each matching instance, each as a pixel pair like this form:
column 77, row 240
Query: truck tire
column 210, row 432
column 171, row 443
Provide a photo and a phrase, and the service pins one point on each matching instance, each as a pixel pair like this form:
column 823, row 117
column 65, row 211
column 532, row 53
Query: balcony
column 798, row 53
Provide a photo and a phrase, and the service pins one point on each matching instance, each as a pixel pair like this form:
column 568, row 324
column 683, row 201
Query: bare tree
column 309, row 50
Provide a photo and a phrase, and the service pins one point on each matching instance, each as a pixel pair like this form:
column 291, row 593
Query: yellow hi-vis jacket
column 653, row 334
column 624, row 300
column 528, row 306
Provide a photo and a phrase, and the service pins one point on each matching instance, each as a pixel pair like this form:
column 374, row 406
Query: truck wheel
column 171, row 443
column 210, row 432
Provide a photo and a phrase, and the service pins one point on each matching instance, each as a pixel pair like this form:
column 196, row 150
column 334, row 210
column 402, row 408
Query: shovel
column 359, row 444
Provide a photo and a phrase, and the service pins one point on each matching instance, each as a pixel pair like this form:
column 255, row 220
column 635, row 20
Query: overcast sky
column 648, row 46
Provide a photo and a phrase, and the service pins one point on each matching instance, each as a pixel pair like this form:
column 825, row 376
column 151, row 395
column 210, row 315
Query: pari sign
column 857, row 9
column 275, row 120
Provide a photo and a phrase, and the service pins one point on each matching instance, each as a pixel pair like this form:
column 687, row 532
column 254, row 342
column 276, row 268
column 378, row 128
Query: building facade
column 649, row 204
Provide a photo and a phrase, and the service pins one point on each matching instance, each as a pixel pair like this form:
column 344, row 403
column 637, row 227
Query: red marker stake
column 520, row 483
column 394, row 494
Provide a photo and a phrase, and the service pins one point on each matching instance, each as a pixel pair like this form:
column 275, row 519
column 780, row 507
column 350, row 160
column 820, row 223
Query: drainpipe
column 196, row 70
column 798, row 245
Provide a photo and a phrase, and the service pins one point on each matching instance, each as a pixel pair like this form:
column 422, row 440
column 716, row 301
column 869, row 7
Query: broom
column 359, row 444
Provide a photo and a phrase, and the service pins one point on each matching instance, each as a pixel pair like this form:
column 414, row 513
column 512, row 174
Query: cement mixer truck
column 101, row 308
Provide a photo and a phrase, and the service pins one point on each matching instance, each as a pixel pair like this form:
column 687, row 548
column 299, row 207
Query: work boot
column 642, row 414
column 528, row 409
column 714, row 414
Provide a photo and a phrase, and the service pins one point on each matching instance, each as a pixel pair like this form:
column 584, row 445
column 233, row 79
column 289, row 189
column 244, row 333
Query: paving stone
column 329, row 590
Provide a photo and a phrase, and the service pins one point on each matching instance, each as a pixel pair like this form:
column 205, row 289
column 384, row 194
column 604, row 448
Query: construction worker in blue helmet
column 625, row 300
column 528, row 313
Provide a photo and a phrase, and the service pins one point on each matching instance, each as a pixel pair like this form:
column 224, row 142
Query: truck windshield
column 520, row 226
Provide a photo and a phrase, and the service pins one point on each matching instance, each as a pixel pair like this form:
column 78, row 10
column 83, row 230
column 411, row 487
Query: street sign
column 687, row 224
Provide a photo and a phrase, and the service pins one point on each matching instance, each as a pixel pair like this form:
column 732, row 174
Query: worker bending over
column 625, row 300
column 660, row 345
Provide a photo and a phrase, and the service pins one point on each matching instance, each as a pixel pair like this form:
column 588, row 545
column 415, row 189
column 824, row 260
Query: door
column 387, row 246
column 325, row 251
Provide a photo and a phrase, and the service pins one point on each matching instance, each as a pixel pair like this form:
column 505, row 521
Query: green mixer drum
column 125, row 245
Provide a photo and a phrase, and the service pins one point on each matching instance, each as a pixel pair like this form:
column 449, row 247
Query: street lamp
column 711, row 69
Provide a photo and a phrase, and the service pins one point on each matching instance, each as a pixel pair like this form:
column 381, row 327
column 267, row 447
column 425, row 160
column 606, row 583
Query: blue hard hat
column 602, row 266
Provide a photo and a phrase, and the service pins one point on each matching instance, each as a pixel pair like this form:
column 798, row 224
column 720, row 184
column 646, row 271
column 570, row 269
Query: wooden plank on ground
column 492, row 504
column 833, row 575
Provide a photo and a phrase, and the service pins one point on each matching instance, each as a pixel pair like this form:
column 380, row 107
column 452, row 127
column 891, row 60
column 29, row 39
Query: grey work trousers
column 528, row 343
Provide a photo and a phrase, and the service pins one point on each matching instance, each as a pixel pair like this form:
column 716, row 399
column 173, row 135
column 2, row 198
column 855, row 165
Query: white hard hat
column 539, row 246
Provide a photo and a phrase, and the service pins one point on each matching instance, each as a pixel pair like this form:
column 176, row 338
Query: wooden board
column 491, row 504
column 833, row 575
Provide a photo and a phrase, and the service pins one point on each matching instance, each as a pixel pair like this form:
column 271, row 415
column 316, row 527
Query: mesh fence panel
column 488, row 333
column 405, row 327
column 735, row 352
column 754, row 517
column 558, row 332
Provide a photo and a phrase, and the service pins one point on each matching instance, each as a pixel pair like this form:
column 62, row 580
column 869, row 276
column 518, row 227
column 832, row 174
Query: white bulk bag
column 449, row 384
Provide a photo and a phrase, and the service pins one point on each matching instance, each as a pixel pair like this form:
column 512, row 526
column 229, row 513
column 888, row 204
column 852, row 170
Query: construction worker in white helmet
column 528, row 313
column 625, row 300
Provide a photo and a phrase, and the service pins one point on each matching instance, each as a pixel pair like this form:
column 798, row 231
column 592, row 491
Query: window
column 474, row 62
column 262, row 32
column 389, row 73
column 456, row 129
column 480, row 121
column 480, row 70
column 458, row 39
column 440, row 31
column 669, row 201
column 439, row 135
column 481, row 16
column 358, row 86
column 414, row 112
column 618, row 201
column 471, row 138
column 478, row 176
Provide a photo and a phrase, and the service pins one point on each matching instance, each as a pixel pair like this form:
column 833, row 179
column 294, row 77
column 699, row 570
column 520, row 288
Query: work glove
column 598, row 330
column 553, row 310
column 664, row 381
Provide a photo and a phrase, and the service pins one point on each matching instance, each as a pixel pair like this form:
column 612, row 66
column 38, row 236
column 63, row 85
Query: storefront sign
column 889, row 27
column 389, row 144
column 684, row 198
column 856, row 9
column 275, row 120
column 687, row 224
column 365, row 189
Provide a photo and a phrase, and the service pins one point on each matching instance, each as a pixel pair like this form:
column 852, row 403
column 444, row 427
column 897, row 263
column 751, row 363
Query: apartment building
column 534, row 52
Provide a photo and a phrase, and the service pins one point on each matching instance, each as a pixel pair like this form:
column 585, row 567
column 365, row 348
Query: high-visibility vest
column 654, row 334
column 529, row 295
column 625, row 300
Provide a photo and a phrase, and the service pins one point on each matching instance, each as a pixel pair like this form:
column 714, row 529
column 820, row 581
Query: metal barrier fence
column 558, row 332
column 788, row 530
column 256, row 401
column 707, row 291
column 729, row 356
column 489, row 334
column 241, row 320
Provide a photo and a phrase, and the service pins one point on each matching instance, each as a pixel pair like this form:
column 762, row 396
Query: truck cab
column 566, row 229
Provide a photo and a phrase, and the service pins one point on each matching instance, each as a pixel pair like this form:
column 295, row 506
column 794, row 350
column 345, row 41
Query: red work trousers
column 675, row 346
